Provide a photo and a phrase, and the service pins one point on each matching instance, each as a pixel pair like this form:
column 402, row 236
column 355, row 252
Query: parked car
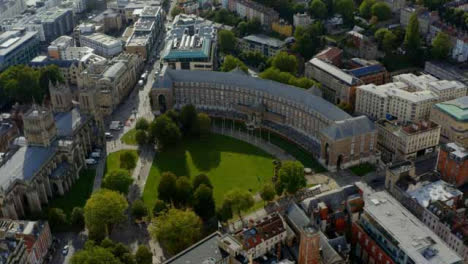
column 95, row 155
column 115, row 125
column 90, row 161
column 65, row 250
column 108, row 135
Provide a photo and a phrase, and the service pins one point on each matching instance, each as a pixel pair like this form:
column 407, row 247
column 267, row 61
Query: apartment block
column 406, row 140
column 266, row 45
column 253, row 10
column 452, row 116
column 102, row 44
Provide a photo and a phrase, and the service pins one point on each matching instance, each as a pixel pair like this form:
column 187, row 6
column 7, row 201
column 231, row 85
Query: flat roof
column 434, row 191
column 103, row 38
column 397, row 89
column 284, row 91
column 10, row 40
column 334, row 71
column 457, row 108
column 420, row 243
column 265, row 40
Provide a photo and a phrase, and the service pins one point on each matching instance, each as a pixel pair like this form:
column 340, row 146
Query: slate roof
column 301, row 96
column 348, row 128
column 201, row 252
column 24, row 163
column 68, row 122
column 265, row 40
column 297, row 217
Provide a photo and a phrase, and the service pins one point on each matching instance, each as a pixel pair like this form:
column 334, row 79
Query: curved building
column 337, row 139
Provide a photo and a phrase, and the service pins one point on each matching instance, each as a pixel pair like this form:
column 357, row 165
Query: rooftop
column 412, row 236
column 457, row 108
column 434, row 191
column 103, row 39
column 408, row 128
column 349, row 128
column 11, row 40
column 265, row 40
column 367, row 70
column 298, row 95
column 68, row 122
column 264, row 229
column 334, row 71
column 398, row 89
column 457, row 150
column 62, row 41
column 329, row 54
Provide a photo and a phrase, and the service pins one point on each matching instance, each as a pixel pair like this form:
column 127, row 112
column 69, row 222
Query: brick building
column 453, row 164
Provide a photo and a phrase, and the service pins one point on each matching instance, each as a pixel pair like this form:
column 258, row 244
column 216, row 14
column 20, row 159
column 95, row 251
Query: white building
column 302, row 20
column 102, row 44
column 460, row 50
column 76, row 53
column 408, row 98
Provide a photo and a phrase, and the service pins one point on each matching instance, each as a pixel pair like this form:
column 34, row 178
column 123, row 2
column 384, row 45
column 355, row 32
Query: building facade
column 253, row 10
column 453, row 164
column 58, row 47
column 267, row 46
column 102, row 44
column 452, row 116
column 17, row 47
column 288, row 111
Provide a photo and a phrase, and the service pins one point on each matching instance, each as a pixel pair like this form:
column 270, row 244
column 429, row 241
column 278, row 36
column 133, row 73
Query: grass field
column 113, row 159
column 129, row 137
column 228, row 162
column 78, row 194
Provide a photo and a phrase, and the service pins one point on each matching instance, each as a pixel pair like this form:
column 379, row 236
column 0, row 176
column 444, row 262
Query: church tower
column 39, row 126
column 61, row 97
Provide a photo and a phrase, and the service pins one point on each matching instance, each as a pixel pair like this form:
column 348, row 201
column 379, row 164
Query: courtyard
column 228, row 163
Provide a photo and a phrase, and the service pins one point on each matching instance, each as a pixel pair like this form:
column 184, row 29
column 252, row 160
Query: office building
column 305, row 119
column 58, row 47
column 253, row 10
column 11, row 8
column 406, row 140
column 17, row 47
column 452, row 116
column 266, row 45
column 102, row 44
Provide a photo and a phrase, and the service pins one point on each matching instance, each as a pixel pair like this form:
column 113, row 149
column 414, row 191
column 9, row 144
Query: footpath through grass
column 228, row 162
column 77, row 195
column 129, row 137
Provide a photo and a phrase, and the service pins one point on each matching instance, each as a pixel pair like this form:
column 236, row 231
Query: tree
column 365, row 8
column 380, row 34
column 253, row 26
column 203, row 202
column 268, row 192
column 441, row 46
column 238, row 200
column 56, row 218
column 50, row 74
column 389, row 42
column 139, row 209
column 173, row 115
column 291, row 176
column 128, row 160
column 159, row 207
column 318, row 9
column 285, row 62
column 77, row 218
column 382, row 11
column 176, row 229
column 142, row 124
column 143, row 255
column 231, row 62
column 189, row 120
column 164, row 131
column 204, row 124
column 184, row 191
column 104, row 209
column 224, row 213
column 175, row 11
column 201, row 179
column 94, row 254
column 141, row 137
column 346, row 9
column 307, row 39
column 167, row 187
column 227, row 41
column 254, row 58
column 118, row 180
column 412, row 41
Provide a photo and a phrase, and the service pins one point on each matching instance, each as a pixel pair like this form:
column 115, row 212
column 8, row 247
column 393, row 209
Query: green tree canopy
column 204, row 123
column 412, row 39
column 142, row 124
column 285, row 62
column 382, row 11
column 380, row 34
column 267, row 192
column 227, row 41
column 365, row 8
column 141, row 137
column 128, row 160
column 167, row 187
column 94, row 254
column 143, row 255
column 203, row 202
column 253, row 26
column 189, row 120
column 291, row 176
column 104, row 209
column 441, row 46
column 56, row 218
column 389, row 42
column 139, row 209
column 183, row 195
column 77, row 218
column 175, row 11
column 231, row 62
column 159, row 207
column 346, row 9
column 274, row 74
column 318, row 9
column 118, row 180
column 308, row 40
column 164, row 131
column 238, row 200
column 176, row 229
column 201, row 179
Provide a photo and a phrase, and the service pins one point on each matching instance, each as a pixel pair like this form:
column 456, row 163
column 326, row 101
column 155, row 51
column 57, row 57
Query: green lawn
column 77, row 195
column 113, row 159
column 129, row 137
column 362, row 169
column 228, row 162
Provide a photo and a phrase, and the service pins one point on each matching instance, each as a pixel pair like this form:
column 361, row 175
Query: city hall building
column 334, row 137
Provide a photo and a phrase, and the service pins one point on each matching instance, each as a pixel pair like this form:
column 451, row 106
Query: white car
column 116, row 125
column 108, row 135
column 95, row 155
column 90, row 161
column 65, row 250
